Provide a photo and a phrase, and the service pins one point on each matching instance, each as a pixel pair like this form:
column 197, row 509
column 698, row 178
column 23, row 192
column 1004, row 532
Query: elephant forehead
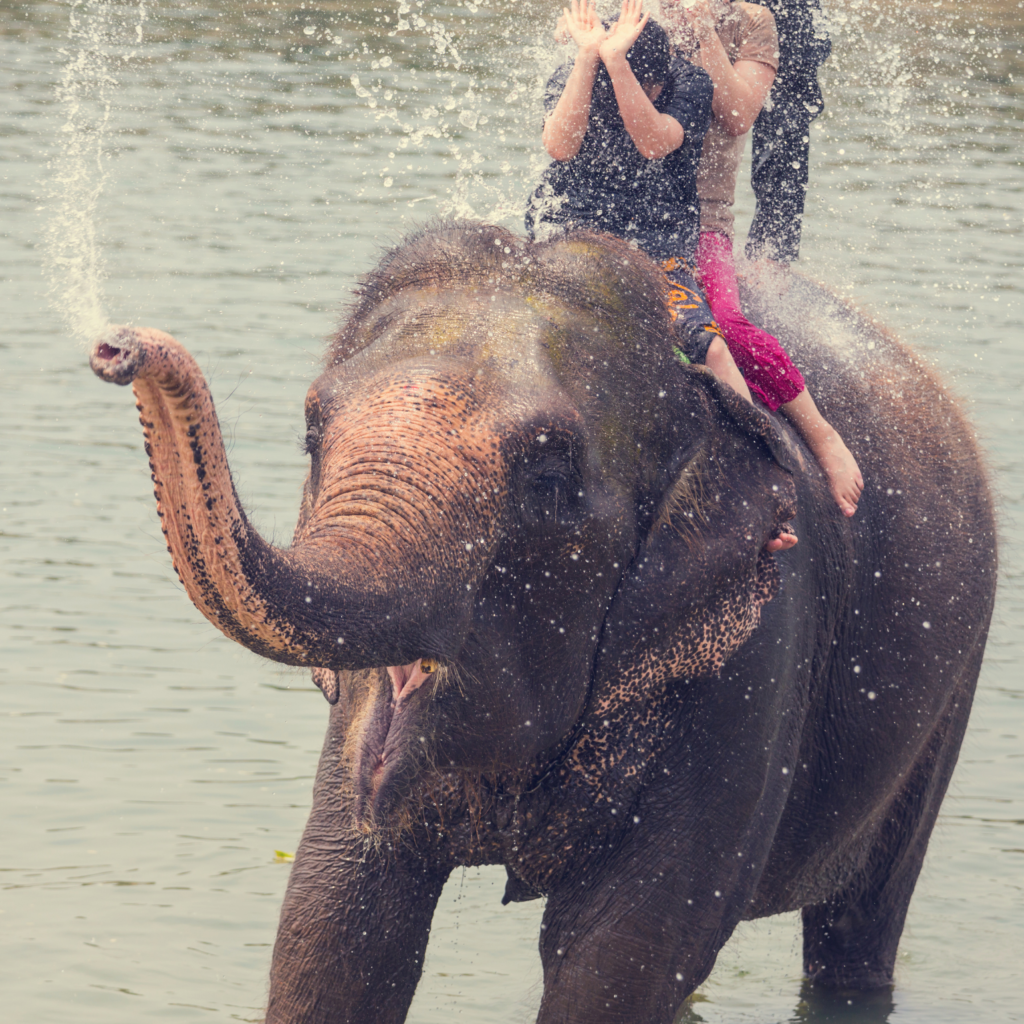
column 522, row 354
column 478, row 323
column 526, row 333
column 457, row 394
column 440, row 392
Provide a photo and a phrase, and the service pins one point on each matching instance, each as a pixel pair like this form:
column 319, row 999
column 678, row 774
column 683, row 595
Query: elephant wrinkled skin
column 530, row 575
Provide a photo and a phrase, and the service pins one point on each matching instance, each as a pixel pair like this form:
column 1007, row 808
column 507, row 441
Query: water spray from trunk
column 100, row 34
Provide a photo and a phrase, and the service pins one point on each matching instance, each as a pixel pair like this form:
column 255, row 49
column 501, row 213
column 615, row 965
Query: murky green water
column 148, row 767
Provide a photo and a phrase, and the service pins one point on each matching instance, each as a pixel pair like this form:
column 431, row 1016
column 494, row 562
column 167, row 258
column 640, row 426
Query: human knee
column 718, row 355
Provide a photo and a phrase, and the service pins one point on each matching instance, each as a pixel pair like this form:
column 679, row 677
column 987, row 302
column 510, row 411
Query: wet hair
column 648, row 59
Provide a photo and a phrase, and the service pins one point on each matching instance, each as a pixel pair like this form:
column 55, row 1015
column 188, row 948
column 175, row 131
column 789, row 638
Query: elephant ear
column 694, row 593
column 695, row 590
column 750, row 419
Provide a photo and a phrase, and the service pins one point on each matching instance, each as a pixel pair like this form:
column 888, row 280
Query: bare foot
column 843, row 474
column 783, row 541
column 844, row 479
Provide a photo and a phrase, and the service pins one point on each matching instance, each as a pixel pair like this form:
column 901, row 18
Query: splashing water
column 462, row 80
column 99, row 34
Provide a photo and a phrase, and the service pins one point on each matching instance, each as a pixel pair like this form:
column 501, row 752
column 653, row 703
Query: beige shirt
column 747, row 33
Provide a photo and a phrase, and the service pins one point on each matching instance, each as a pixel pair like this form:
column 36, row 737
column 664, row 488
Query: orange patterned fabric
column 695, row 323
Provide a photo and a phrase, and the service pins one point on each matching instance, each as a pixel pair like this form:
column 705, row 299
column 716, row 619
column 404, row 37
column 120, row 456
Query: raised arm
column 741, row 88
column 654, row 134
column 567, row 124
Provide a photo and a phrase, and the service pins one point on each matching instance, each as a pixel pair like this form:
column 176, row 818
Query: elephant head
column 516, row 494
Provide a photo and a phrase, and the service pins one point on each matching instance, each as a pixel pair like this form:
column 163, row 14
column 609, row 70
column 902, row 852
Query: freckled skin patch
column 636, row 710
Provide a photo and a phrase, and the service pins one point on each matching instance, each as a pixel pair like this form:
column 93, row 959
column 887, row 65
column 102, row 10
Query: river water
column 225, row 172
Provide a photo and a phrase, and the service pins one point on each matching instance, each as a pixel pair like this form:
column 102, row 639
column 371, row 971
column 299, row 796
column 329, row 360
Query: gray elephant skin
column 530, row 574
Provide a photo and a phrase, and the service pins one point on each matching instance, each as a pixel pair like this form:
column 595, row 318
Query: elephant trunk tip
column 117, row 355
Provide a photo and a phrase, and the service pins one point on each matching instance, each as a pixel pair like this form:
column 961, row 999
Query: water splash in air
column 100, row 35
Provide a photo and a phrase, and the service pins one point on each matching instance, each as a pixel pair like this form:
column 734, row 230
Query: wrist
column 614, row 60
column 707, row 36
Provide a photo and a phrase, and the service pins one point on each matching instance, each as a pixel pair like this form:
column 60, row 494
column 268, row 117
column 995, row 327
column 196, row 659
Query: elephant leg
column 356, row 916
column 850, row 941
column 611, row 953
column 637, row 928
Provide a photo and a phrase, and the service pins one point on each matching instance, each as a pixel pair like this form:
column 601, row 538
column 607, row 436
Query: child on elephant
column 624, row 125
column 737, row 44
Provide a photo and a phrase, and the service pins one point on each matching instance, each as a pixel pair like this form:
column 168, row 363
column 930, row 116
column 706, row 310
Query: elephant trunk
column 318, row 604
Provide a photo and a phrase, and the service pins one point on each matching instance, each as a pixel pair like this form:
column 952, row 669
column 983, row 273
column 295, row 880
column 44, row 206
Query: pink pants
column 768, row 371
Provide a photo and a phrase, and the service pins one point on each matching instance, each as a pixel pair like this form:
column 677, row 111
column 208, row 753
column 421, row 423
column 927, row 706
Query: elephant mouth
column 406, row 679
column 393, row 747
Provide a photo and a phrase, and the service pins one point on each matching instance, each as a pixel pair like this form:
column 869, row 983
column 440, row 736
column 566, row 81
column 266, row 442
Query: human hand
column 690, row 22
column 625, row 31
column 582, row 23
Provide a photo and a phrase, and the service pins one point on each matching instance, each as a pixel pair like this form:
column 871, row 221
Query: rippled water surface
column 225, row 172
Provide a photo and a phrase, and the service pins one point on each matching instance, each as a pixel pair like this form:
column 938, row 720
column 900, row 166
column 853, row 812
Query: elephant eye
column 428, row 666
column 551, row 483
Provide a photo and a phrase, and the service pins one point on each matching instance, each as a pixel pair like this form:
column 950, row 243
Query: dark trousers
column 781, row 146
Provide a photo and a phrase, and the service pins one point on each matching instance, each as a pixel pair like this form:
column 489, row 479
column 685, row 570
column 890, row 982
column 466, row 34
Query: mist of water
column 463, row 84
column 462, row 81
column 100, row 36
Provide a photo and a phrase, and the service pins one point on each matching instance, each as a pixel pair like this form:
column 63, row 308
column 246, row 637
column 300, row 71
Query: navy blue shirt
column 610, row 186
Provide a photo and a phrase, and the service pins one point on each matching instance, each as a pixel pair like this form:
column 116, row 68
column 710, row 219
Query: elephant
column 533, row 576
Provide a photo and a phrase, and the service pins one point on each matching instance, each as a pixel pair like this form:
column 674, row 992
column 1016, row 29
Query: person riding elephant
column 781, row 157
column 530, row 575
